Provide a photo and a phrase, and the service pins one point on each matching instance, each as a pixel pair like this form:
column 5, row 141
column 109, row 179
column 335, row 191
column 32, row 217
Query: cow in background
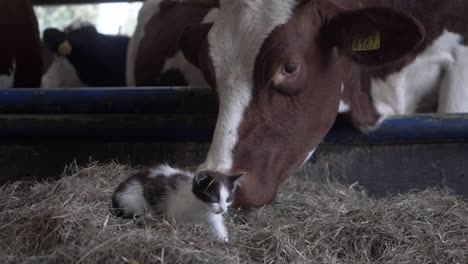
column 20, row 46
column 435, row 82
column 154, row 57
column 84, row 57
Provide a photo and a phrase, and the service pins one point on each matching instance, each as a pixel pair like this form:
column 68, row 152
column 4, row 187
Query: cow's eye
column 291, row 68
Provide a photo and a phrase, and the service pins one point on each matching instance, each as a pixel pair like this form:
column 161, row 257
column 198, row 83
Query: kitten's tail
column 129, row 200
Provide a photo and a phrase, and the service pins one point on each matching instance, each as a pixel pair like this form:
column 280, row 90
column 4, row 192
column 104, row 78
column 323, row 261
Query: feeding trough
column 43, row 130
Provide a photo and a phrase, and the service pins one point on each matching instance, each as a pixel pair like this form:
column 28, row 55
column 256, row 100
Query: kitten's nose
column 220, row 210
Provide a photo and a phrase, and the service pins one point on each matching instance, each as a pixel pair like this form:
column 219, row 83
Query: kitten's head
column 215, row 189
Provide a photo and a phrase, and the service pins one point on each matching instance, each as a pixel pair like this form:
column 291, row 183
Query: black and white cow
column 84, row 57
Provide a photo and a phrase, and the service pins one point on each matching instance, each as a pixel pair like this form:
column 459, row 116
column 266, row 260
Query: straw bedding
column 68, row 221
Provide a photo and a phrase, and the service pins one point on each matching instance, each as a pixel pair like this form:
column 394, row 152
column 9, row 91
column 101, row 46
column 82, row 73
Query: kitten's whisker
column 231, row 212
column 208, row 185
column 203, row 213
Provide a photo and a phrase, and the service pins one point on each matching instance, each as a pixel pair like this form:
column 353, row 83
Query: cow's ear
column 53, row 38
column 192, row 40
column 373, row 36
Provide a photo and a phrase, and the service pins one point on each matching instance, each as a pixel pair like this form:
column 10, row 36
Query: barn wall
column 381, row 169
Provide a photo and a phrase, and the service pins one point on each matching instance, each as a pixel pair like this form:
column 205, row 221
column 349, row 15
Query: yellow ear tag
column 367, row 42
column 64, row 49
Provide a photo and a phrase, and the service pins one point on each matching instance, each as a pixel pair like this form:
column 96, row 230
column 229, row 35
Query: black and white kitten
column 178, row 194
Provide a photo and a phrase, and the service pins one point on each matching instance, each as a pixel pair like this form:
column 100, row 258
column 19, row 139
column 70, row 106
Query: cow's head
column 62, row 73
column 84, row 56
column 278, row 67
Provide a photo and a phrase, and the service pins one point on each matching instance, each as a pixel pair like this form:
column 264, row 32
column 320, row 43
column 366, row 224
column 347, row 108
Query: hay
column 68, row 221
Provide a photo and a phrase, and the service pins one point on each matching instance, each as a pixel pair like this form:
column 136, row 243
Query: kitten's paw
column 222, row 237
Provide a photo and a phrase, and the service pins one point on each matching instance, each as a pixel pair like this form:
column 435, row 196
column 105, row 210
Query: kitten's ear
column 234, row 178
column 201, row 176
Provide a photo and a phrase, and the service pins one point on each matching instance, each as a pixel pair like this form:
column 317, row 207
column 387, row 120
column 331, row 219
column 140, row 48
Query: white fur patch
column 182, row 205
column 235, row 41
column 453, row 93
column 402, row 92
column 217, row 224
column 223, row 196
column 211, row 16
column 7, row 81
column 308, row 157
column 192, row 74
column 167, row 170
column 61, row 74
column 132, row 200
column 344, row 107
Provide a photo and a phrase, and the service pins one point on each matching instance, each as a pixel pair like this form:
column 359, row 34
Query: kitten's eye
column 229, row 199
column 212, row 198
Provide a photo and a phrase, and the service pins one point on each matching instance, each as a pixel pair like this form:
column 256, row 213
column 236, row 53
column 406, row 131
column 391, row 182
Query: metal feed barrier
column 42, row 130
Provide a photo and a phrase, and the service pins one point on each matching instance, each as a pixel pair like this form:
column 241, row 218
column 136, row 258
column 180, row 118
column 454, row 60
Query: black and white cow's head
column 278, row 68
column 84, row 57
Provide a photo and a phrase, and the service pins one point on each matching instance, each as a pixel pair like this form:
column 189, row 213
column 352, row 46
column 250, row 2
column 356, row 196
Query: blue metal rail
column 166, row 100
column 174, row 114
column 421, row 128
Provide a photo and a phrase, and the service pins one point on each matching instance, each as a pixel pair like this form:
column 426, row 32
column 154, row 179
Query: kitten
column 180, row 195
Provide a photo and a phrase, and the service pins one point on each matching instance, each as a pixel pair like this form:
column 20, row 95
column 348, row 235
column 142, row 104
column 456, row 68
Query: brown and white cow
column 284, row 68
column 20, row 46
column 154, row 57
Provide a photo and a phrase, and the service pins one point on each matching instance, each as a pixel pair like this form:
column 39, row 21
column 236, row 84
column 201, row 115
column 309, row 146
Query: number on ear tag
column 367, row 42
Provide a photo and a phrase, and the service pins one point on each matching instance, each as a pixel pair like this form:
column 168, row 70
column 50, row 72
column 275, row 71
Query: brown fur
column 20, row 43
column 161, row 40
column 287, row 119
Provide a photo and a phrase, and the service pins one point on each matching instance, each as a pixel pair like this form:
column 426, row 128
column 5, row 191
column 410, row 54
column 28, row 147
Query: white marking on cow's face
column 7, row 81
column 402, row 92
column 61, row 74
column 235, row 40
column 453, row 92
